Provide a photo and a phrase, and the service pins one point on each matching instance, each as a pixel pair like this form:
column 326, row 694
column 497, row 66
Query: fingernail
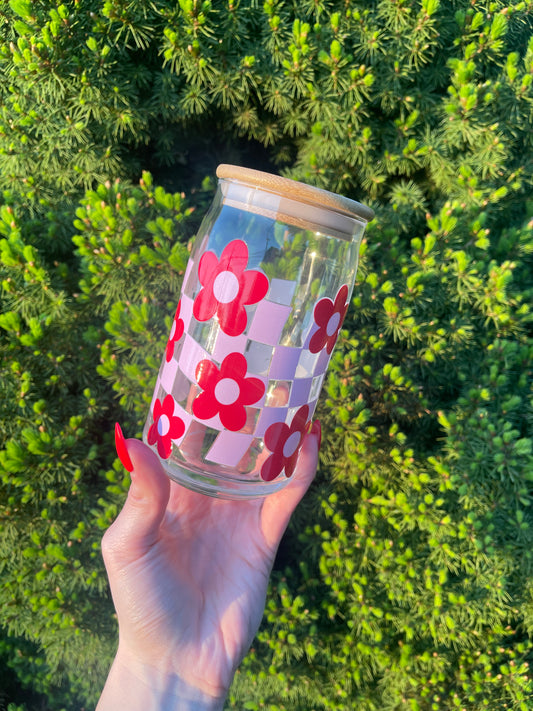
column 318, row 430
column 122, row 450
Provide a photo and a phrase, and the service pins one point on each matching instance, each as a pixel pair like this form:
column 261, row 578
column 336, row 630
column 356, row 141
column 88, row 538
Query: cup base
column 220, row 487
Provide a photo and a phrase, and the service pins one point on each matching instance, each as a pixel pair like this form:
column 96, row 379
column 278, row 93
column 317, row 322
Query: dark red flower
column 176, row 332
column 284, row 442
column 228, row 288
column 329, row 316
column 226, row 391
column 165, row 427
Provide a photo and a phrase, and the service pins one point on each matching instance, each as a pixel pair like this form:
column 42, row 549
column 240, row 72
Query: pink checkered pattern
column 292, row 375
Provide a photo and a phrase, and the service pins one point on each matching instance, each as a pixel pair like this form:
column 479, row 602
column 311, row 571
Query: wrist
column 133, row 685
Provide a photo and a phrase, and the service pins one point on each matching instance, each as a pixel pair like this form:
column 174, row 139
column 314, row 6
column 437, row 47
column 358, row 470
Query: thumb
column 136, row 528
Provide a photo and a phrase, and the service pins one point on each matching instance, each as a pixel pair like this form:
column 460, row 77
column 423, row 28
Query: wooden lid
column 296, row 191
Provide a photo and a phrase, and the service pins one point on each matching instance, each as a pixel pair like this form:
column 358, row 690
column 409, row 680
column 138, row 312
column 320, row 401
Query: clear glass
column 263, row 298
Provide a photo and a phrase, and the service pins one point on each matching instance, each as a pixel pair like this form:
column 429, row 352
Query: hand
column 189, row 576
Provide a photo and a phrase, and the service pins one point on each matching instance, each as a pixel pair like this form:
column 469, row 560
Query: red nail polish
column 318, row 426
column 122, row 450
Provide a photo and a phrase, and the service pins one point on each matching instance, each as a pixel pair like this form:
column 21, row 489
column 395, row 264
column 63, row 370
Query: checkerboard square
column 229, row 448
column 284, row 362
column 181, row 389
column 281, row 291
column 278, row 393
column 268, row 416
column 189, row 278
column 168, row 374
column 205, row 333
column 190, row 356
column 258, row 357
column 301, row 388
column 316, row 386
column 228, row 344
column 268, row 322
column 322, row 363
column 186, row 311
column 157, row 393
column 306, row 364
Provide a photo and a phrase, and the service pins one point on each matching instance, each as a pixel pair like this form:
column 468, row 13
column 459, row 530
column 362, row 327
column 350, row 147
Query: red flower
column 329, row 317
column 165, row 427
column 176, row 333
column 284, row 442
column 226, row 391
column 228, row 288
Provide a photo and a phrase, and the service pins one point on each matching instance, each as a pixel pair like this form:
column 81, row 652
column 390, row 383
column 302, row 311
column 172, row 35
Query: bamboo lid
column 295, row 190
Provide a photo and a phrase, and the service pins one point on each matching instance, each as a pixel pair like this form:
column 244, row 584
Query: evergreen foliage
column 406, row 579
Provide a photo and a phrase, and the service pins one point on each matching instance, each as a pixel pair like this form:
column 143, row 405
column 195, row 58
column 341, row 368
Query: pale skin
column 189, row 575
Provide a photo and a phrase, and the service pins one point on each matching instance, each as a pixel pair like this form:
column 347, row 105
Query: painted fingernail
column 122, row 450
column 318, row 430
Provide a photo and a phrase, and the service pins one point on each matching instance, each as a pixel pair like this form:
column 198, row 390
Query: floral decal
column 284, row 442
column 329, row 316
column 228, row 288
column 176, row 332
column 226, row 391
column 165, row 427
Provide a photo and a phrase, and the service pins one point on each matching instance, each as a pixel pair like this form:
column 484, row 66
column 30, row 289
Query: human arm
column 189, row 575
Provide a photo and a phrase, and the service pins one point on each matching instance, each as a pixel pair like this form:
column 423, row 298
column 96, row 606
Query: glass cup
column 266, row 289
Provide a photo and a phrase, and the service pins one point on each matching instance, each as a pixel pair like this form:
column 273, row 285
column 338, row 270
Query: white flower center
column 163, row 425
column 333, row 323
column 227, row 391
column 291, row 444
column 225, row 287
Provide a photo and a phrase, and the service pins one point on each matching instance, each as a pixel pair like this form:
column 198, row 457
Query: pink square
column 322, row 362
column 284, row 363
column 268, row 322
column 190, row 356
column 168, row 374
column 229, row 448
column 156, row 395
column 228, row 344
column 268, row 416
column 300, row 391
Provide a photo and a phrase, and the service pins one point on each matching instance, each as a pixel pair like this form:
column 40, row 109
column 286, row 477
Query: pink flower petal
column 235, row 256
column 233, row 317
column 177, row 428
column 318, row 340
column 254, row 287
column 233, row 417
column 299, row 421
column 152, row 433
column 323, row 312
column 205, row 406
column 252, row 390
column 164, row 447
column 276, row 435
column 205, row 305
column 207, row 268
column 272, row 467
column 234, row 366
column 207, row 375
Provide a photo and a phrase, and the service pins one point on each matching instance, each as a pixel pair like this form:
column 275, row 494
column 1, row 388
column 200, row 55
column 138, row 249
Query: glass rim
column 296, row 190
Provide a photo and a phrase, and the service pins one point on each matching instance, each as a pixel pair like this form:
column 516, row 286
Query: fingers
column 136, row 528
column 278, row 507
